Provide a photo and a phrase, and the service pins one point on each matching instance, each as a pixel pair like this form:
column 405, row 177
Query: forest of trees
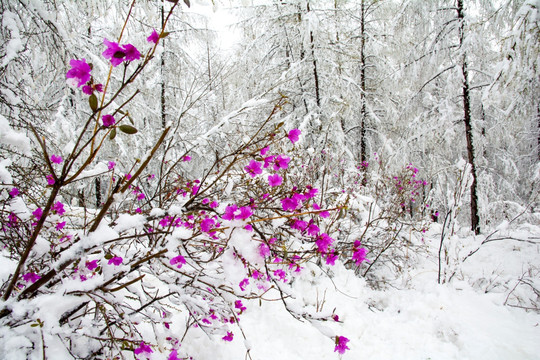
column 325, row 130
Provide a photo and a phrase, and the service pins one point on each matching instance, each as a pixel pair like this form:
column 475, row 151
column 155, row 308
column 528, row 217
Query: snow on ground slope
column 422, row 320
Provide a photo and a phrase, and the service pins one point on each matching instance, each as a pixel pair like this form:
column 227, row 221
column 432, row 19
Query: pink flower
column 111, row 165
column 275, row 180
column 154, row 37
column 108, row 120
column 281, row 162
column 264, row 250
column 89, row 89
column 331, row 259
column 323, row 242
column 14, row 192
column 289, row 204
column 359, row 256
column 60, row 225
column 178, row 260
column 229, row 336
column 58, row 208
column 37, row 213
column 173, row 355
column 141, row 196
column 293, row 135
column 313, row 230
column 186, row 158
column 311, row 192
column 91, row 265
column 238, row 305
column 229, row 212
column 214, row 204
column 114, row 52
column 268, row 161
column 245, row 213
column 243, row 284
column 281, row 274
column 264, row 150
column 143, row 348
column 31, row 277
column 131, row 52
column 117, row 260
column 207, row 224
column 56, row 159
column 254, row 168
column 341, row 344
column 50, row 179
column 79, row 72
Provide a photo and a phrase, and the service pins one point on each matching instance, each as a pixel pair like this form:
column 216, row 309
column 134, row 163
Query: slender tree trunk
column 363, row 112
column 538, row 122
column 162, row 70
column 475, row 219
column 314, row 62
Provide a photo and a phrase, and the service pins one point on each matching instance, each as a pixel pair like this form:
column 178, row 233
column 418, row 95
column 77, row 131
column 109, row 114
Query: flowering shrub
column 96, row 280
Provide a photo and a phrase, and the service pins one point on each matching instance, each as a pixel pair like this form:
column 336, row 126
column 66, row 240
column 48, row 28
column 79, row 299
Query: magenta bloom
column 60, row 225
column 264, row 250
column 289, row 204
column 89, row 90
column 56, row 159
column 313, row 230
column 58, row 208
column 254, row 168
column 50, row 179
column 323, row 242
column 229, row 336
column 293, row 135
column 207, row 225
column 331, row 259
column 111, row 165
column 154, row 37
column 186, row 158
column 245, row 213
column 281, row 274
column 268, row 161
column 341, row 344
column 229, row 212
column 143, row 348
column 79, row 72
column 173, row 355
column 243, row 284
column 91, row 265
column 281, row 162
column 178, row 261
column 238, row 305
column 108, row 120
column 264, row 150
column 131, row 52
column 31, row 277
column 114, row 52
column 275, row 180
column 14, row 192
column 117, row 260
column 38, row 213
column 359, row 256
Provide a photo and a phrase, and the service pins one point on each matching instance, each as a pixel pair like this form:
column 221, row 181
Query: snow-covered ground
column 419, row 320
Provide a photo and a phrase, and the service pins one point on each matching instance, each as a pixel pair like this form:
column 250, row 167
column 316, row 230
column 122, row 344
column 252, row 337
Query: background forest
column 210, row 156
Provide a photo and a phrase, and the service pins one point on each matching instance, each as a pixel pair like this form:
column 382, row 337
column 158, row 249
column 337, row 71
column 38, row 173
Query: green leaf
column 108, row 256
column 34, row 325
column 128, row 129
column 164, row 34
column 92, row 100
column 113, row 134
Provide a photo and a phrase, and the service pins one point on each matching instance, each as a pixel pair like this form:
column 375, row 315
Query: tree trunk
column 162, row 70
column 314, row 62
column 475, row 219
column 363, row 112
